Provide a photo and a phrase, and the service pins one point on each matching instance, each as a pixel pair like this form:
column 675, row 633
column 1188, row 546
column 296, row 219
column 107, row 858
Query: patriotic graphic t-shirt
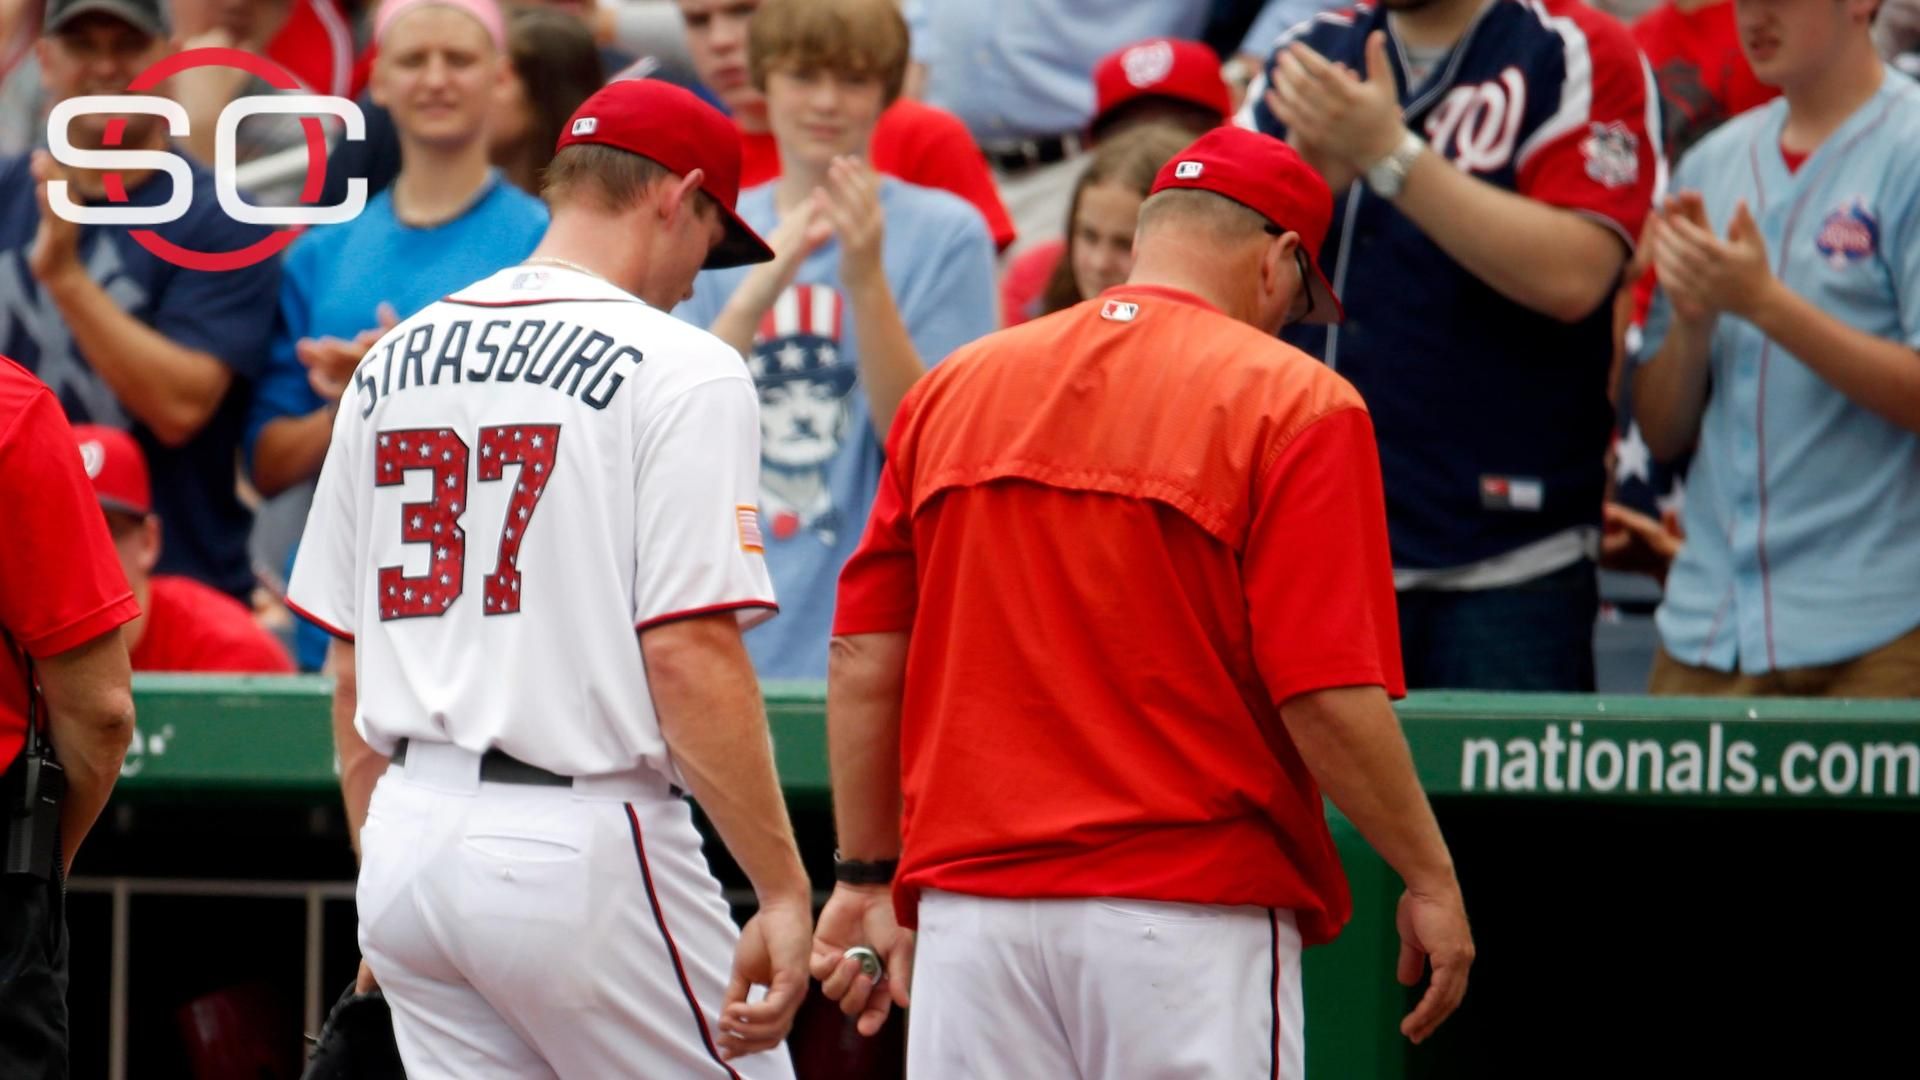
column 820, row 457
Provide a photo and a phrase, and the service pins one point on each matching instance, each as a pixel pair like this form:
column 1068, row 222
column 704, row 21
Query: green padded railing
column 224, row 738
column 204, row 735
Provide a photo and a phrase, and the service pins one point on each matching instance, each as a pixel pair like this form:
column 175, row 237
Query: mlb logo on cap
column 1119, row 311
column 1187, row 170
column 586, row 125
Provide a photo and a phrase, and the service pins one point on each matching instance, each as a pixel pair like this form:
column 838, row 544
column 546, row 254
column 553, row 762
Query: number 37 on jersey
column 443, row 453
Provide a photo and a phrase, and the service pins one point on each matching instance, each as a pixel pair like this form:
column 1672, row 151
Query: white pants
column 1103, row 990
column 524, row 931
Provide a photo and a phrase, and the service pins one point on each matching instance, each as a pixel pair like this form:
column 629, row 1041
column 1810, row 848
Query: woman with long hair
column 1098, row 250
column 554, row 66
column 1106, row 204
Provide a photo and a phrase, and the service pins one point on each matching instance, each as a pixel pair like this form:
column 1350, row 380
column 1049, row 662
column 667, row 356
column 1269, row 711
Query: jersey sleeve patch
column 748, row 520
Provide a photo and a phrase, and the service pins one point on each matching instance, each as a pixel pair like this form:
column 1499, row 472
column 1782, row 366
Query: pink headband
column 484, row 12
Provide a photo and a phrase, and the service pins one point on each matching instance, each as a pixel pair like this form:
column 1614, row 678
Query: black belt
column 1022, row 154
column 502, row 768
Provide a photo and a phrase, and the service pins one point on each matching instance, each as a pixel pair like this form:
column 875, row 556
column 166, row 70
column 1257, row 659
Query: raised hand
column 56, row 242
column 1341, row 123
column 853, row 206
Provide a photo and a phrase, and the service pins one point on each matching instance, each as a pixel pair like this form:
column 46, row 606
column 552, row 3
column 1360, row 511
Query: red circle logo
column 267, row 246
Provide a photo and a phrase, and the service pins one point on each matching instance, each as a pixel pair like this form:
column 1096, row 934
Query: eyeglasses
column 1306, row 278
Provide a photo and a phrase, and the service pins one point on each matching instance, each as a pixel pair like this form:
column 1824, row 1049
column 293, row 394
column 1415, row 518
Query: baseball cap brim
column 1326, row 306
column 138, row 16
column 740, row 247
column 122, row 506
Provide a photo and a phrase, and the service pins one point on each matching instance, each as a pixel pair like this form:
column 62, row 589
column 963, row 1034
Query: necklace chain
column 549, row 260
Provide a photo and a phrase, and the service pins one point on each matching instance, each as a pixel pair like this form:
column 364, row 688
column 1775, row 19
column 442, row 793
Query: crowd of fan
column 928, row 172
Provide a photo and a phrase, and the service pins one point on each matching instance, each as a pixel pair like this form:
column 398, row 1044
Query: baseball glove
column 356, row 1042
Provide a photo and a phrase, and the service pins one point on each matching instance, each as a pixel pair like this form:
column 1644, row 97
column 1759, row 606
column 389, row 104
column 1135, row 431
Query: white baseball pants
column 524, row 931
column 1103, row 989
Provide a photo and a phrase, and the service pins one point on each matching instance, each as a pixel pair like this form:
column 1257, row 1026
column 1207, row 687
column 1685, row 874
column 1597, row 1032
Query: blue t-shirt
column 338, row 275
column 819, row 456
column 226, row 314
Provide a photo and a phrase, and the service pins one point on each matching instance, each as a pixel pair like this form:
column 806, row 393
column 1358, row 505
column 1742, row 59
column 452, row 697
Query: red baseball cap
column 1270, row 178
column 117, row 468
column 1160, row 67
column 669, row 125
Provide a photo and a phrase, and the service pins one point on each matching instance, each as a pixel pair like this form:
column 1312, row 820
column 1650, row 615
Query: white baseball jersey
column 520, row 476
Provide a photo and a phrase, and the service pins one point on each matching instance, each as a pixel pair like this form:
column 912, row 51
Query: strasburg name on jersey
column 538, row 466
column 567, row 358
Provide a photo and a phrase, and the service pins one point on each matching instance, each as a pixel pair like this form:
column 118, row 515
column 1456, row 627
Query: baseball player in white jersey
column 521, row 476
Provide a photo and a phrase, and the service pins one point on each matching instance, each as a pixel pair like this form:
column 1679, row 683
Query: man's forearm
column 90, row 723
column 1670, row 390
column 172, row 389
column 291, row 449
column 1351, row 741
column 1541, row 257
column 708, row 703
column 1877, row 374
column 866, row 674
column 360, row 764
column 889, row 362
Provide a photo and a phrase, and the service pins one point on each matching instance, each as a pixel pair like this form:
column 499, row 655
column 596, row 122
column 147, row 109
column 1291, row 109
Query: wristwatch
column 855, row 872
column 1388, row 176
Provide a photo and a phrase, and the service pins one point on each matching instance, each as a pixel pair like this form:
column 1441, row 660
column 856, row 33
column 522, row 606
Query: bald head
column 1191, row 214
column 1221, row 251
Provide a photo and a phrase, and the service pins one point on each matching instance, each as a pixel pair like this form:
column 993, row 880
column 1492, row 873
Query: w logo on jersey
column 804, row 380
column 1477, row 126
column 1849, row 235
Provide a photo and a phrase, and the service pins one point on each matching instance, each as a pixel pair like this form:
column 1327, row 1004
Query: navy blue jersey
column 1492, row 418
column 225, row 314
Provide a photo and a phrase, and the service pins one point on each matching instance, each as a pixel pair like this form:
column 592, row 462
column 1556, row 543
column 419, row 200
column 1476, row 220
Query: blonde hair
column 855, row 37
column 605, row 176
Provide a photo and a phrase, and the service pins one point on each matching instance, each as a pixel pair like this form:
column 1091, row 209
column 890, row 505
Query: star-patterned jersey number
column 533, row 447
column 435, row 523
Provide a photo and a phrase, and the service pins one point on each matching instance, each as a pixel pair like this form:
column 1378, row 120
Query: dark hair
column 558, row 64
column 1131, row 160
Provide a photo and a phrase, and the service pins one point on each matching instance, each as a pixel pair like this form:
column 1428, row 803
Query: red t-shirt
column 913, row 142
column 1024, row 285
column 191, row 627
column 1119, row 543
column 60, row 581
column 1704, row 78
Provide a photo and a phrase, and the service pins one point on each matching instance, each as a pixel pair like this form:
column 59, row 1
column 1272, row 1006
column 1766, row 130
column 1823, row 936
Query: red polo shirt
column 913, row 142
column 1121, row 536
column 60, row 582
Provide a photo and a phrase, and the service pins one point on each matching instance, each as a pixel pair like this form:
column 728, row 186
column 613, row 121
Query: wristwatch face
column 1389, row 175
column 1386, row 177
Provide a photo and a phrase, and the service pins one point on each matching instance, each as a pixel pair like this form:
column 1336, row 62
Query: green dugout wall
column 1659, row 886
